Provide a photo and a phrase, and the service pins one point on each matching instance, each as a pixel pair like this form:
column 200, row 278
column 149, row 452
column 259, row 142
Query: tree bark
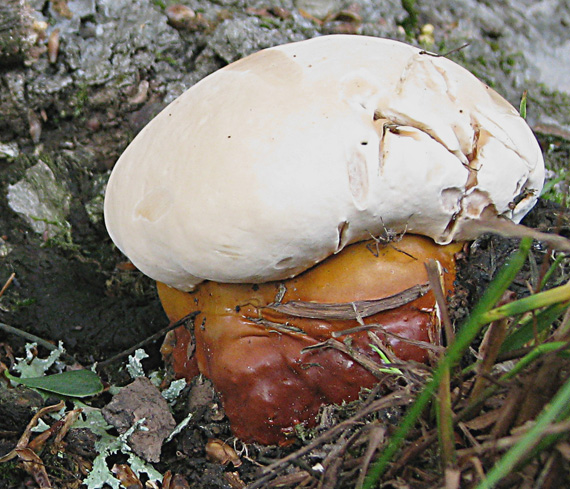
column 16, row 34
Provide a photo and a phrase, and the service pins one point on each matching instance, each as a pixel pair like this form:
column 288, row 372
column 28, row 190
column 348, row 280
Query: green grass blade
column 531, row 357
column 462, row 341
column 525, row 333
column 555, row 410
column 536, row 353
column 542, row 299
column 555, row 266
column 549, row 186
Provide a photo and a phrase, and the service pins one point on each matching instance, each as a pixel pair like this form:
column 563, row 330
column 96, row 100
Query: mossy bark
column 15, row 27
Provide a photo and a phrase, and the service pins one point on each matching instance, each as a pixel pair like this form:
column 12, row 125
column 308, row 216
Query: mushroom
column 260, row 185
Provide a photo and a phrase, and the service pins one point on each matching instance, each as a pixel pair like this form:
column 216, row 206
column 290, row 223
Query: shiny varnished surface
column 253, row 354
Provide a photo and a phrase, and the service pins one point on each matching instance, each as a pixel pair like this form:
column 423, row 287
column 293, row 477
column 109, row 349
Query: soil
column 115, row 65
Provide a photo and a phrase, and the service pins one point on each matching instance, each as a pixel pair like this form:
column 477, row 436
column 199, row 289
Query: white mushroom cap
column 281, row 159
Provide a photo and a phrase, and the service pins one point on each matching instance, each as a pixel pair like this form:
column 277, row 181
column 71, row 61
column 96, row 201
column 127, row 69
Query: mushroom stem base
column 273, row 369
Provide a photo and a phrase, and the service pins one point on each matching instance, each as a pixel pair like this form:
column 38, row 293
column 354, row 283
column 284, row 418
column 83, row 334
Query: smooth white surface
column 275, row 162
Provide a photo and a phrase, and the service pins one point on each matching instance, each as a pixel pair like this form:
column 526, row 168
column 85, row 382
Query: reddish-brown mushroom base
column 251, row 340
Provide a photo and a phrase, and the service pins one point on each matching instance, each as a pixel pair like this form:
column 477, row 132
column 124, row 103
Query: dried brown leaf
column 167, row 480
column 39, row 442
column 25, row 438
column 220, row 452
column 126, row 476
column 34, row 466
column 69, row 420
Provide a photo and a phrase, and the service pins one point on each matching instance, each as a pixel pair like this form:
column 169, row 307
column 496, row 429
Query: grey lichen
column 41, row 201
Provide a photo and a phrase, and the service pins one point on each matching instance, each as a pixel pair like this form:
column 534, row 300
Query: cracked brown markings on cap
column 381, row 125
column 480, row 138
column 478, row 203
column 413, row 69
column 342, row 236
column 451, row 198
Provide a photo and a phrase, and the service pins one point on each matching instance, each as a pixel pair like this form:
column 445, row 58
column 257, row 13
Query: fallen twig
column 7, row 284
column 381, row 329
column 35, row 339
column 349, row 310
column 509, row 441
column 373, row 367
column 150, row 339
column 398, row 398
column 377, row 437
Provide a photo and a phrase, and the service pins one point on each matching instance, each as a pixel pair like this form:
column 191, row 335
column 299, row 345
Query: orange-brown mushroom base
column 251, row 340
